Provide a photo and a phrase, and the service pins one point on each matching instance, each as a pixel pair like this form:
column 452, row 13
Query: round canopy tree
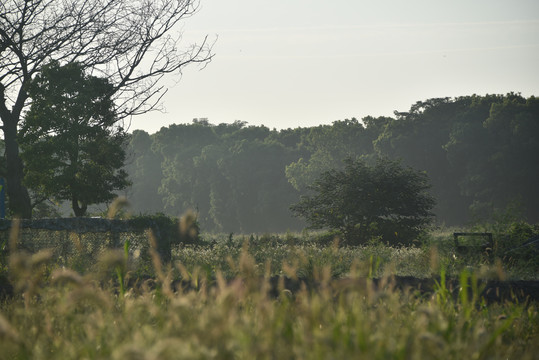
column 386, row 200
column 70, row 145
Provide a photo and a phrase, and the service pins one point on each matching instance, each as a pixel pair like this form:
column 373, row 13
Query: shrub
column 386, row 201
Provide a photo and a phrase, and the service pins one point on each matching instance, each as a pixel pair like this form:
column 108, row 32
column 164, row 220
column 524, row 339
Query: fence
column 88, row 237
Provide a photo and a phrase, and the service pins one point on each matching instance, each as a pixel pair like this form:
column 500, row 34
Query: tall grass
column 215, row 252
column 238, row 314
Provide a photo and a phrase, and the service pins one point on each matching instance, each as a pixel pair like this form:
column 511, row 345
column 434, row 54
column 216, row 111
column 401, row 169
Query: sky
column 302, row 63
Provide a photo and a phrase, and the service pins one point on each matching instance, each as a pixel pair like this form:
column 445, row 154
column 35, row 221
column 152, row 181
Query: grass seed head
column 42, row 257
column 14, row 235
column 117, row 205
column 111, row 260
column 66, row 276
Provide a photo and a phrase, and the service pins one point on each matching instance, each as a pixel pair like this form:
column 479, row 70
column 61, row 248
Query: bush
column 168, row 231
column 386, row 201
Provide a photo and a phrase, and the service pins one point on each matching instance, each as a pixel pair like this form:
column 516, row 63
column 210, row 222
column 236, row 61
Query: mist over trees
column 233, row 176
column 479, row 152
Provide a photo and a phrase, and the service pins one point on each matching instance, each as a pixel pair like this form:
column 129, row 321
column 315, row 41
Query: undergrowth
column 229, row 307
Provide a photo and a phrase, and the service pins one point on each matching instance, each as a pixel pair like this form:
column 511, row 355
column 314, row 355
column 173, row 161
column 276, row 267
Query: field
column 288, row 296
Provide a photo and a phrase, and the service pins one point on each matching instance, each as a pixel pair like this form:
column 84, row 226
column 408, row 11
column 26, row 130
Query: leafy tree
column 179, row 145
column 231, row 174
column 261, row 194
column 221, row 214
column 143, row 165
column 363, row 202
column 477, row 151
column 71, row 148
column 328, row 145
column 513, row 128
column 496, row 153
column 131, row 43
column 418, row 138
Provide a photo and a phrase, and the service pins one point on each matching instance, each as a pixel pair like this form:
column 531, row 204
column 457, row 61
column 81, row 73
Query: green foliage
column 326, row 146
column 168, row 231
column 232, row 175
column 511, row 247
column 70, row 147
column 476, row 150
column 364, row 202
column 493, row 144
column 143, row 164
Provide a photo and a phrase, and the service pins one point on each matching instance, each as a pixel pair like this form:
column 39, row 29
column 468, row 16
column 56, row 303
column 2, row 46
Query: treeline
column 481, row 154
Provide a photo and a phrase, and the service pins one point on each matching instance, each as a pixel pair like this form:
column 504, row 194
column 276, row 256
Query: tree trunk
column 79, row 210
column 18, row 197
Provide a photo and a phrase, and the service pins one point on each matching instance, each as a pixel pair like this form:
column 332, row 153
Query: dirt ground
column 492, row 291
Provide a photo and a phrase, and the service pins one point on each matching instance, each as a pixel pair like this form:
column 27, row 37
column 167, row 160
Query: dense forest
column 480, row 153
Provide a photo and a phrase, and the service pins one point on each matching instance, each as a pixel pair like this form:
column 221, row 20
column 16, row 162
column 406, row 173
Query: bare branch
column 134, row 43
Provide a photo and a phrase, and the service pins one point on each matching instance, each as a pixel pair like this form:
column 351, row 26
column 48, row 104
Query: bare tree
column 134, row 43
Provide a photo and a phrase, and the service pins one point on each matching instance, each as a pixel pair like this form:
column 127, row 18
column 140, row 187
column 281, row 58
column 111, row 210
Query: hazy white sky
column 300, row 63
